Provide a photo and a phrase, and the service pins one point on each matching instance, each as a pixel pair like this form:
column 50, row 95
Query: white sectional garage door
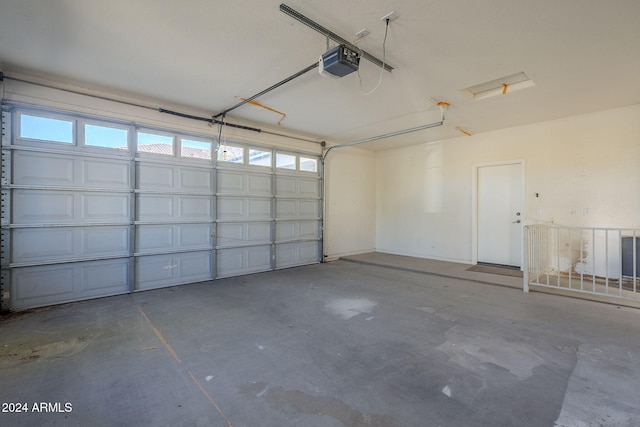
column 93, row 208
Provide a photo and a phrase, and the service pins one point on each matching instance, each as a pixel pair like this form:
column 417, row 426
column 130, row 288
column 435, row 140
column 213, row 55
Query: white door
column 500, row 215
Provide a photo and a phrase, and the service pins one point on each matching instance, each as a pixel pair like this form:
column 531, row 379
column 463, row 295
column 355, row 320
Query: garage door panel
column 195, row 208
column 195, row 180
column 105, row 173
column 109, row 276
column 230, row 261
column 286, row 208
column 55, row 244
column 256, row 232
column 297, row 230
column 52, row 284
column 308, row 208
column 291, row 186
column 308, row 188
column 300, row 253
column 155, row 207
column 194, row 235
column 230, row 208
column 41, row 282
column 155, row 176
column 230, row 234
column 242, row 233
column 287, row 186
column 51, row 169
column 258, row 208
column 104, row 241
column 154, row 271
column 259, row 184
column 104, row 207
column 37, row 206
column 258, row 258
column 247, row 209
column 297, row 209
column 194, row 266
column 174, row 178
column 66, row 207
column 231, row 183
column 31, row 168
column 242, row 183
column 34, row 244
column 166, row 237
column 158, row 271
column 238, row 261
column 151, row 238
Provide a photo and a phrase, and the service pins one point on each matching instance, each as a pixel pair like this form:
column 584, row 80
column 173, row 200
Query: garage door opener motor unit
column 338, row 62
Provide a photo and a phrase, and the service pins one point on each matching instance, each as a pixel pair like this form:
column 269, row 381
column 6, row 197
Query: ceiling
column 582, row 55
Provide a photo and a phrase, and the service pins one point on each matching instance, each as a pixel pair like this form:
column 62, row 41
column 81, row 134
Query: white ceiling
column 583, row 55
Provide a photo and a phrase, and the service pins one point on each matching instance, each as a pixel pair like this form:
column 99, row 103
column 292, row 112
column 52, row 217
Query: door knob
column 516, row 222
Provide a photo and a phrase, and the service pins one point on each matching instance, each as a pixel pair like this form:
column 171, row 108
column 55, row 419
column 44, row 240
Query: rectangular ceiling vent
column 501, row 86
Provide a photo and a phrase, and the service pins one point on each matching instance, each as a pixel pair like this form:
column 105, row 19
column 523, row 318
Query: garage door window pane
column 195, row 149
column 46, row 129
column 285, row 161
column 260, row 158
column 107, row 137
column 308, row 165
column 153, row 143
column 230, row 153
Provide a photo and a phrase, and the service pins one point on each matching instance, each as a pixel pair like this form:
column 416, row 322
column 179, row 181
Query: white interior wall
column 350, row 202
column 584, row 168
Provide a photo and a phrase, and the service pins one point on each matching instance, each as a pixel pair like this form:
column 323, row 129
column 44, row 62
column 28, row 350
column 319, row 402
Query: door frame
column 474, row 204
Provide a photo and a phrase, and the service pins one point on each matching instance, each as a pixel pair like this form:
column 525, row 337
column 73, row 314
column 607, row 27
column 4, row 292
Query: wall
column 586, row 170
column 350, row 202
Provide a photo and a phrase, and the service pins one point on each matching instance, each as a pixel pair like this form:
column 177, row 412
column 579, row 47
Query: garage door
column 92, row 208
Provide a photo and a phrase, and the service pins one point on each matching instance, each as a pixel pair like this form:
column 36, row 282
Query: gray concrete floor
column 338, row 344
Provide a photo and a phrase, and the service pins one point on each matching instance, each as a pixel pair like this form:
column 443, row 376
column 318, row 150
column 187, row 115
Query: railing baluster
column 606, row 262
column 526, row 259
column 582, row 259
column 570, row 256
column 558, row 255
column 593, row 258
column 620, row 258
column 635, row 271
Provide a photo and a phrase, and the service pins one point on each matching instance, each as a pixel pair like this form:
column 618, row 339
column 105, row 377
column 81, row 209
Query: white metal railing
column 600, row 261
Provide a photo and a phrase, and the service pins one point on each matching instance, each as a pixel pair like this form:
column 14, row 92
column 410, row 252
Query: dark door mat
column 495, row 269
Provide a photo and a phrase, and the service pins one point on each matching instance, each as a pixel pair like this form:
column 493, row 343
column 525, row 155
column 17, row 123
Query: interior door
column 500, row 214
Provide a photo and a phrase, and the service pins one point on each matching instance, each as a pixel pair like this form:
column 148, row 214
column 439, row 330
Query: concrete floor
column 338, row 344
